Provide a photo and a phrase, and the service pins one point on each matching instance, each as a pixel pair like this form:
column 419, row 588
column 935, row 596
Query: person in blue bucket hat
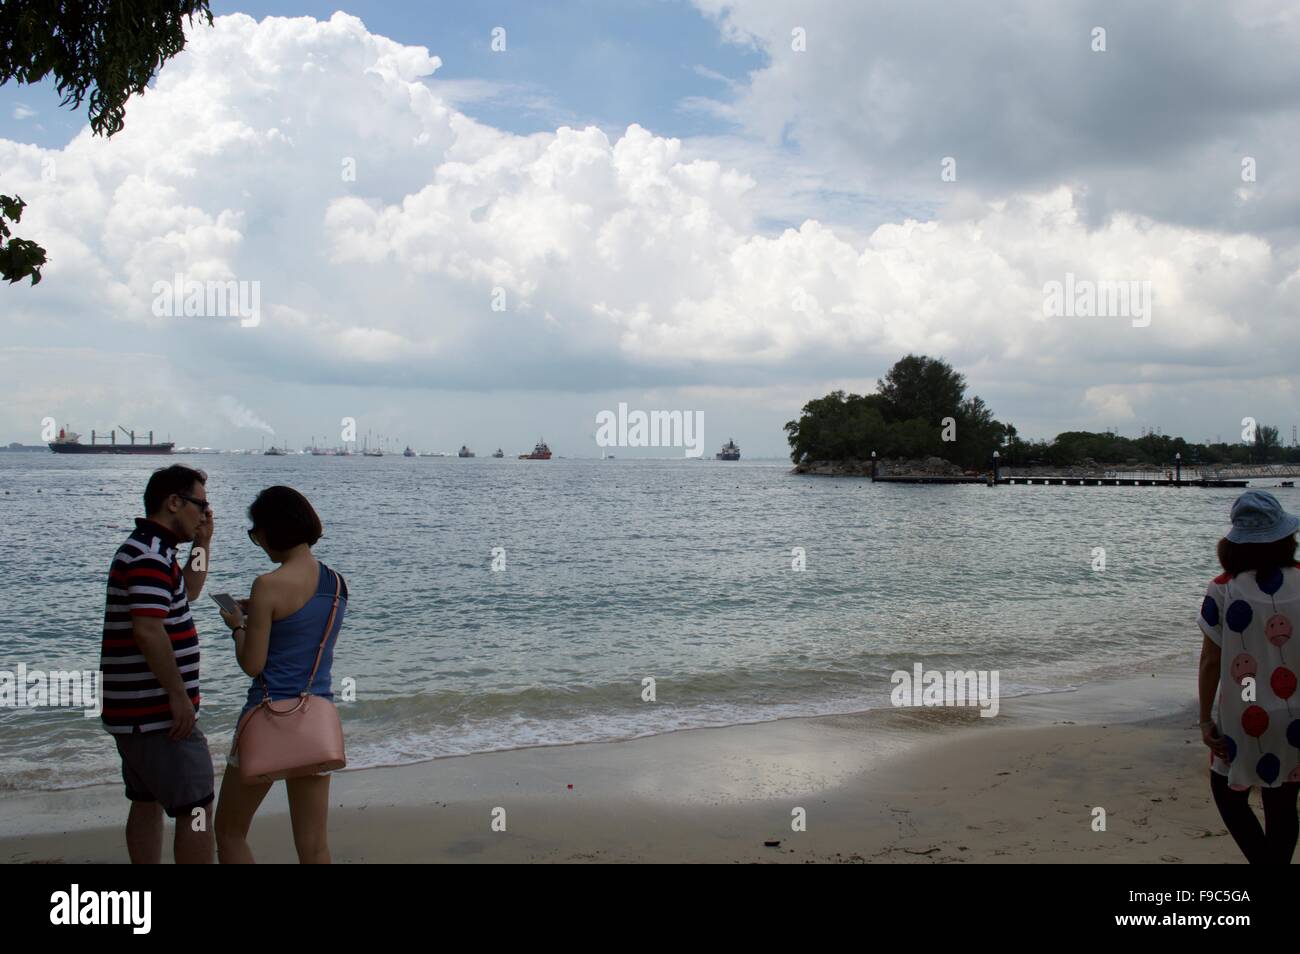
column 1250, row 663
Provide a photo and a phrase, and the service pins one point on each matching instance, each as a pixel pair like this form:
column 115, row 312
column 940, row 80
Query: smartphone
column 226, row 602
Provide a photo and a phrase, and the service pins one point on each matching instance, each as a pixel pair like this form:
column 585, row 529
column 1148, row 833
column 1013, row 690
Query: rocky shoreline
column 938, row 467
column 929, row 467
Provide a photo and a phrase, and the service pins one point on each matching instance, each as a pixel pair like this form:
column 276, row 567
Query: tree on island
column 109, row 49
column 1266, row 441
column 906, row 417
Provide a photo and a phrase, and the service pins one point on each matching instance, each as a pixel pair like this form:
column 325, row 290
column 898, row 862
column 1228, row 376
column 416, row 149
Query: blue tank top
column 293, row 644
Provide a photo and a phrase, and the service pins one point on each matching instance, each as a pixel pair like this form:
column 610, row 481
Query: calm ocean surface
column 615, row 570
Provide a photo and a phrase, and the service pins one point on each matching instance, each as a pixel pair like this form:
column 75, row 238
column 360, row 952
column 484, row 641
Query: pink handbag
column 291, row 738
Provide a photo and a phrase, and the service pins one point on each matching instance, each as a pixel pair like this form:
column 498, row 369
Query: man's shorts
column 176, row 773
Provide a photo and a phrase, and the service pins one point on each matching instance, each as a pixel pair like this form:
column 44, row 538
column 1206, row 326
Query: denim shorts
column 176, row 773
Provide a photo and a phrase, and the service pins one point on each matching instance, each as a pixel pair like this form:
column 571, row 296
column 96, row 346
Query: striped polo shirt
column 145, row 580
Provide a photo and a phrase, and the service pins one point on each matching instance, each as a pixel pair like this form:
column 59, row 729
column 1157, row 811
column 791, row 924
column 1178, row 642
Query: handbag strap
column 329, row 626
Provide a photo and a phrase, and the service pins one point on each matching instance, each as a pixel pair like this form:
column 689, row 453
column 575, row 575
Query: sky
column 720, row 207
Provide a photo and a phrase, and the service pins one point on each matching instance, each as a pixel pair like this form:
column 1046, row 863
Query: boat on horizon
column 540, row 452
column 729, row 451
column 464, row 452
column 69, row 442
column 499, row 453
column 408, row 452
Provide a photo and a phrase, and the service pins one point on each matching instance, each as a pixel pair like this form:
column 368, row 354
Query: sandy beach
column 899, row 785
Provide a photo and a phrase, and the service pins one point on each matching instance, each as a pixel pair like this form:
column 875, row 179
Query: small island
column 920, row 422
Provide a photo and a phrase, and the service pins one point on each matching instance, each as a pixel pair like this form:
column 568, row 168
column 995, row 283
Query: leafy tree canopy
column 920, row 410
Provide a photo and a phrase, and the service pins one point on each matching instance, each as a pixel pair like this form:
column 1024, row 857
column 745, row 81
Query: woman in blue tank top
column 277, row 638
column 294, row 643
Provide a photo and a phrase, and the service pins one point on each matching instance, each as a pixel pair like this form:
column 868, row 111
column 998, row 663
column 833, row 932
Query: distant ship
column 540, row 452
column 376, row 452
column 408, row 452
column 464, row 452
column 274, row 451
column 69, row 443
column 729, row 451
column 499, row 453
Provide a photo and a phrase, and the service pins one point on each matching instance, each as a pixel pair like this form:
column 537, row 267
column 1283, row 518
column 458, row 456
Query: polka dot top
column 1250, row 618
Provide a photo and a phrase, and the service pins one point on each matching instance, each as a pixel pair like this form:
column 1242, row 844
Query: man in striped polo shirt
column 150, row 665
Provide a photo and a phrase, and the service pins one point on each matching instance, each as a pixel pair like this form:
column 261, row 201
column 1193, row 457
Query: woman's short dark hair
column 176, row 479
column 285, row 517
column 1240, row 557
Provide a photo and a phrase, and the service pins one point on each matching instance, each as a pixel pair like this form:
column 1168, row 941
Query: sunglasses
column 203, row 505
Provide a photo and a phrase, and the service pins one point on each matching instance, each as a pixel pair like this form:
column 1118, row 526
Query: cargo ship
column 69, row 443
column 464, row 452
column 540, row 452
column 729, row 451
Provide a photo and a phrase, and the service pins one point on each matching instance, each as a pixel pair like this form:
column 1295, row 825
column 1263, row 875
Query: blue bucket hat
column 1257, row 517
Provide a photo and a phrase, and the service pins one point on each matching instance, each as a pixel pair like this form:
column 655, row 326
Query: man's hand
column 203, row 533
column 196, row 568
column 182, row 714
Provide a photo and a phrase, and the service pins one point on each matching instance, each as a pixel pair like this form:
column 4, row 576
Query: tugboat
column 273, row 451
column 464, row 452
column 540, row 452
column 408, row 452
column 729, row 451
column 69, row 443
column 499, row 453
